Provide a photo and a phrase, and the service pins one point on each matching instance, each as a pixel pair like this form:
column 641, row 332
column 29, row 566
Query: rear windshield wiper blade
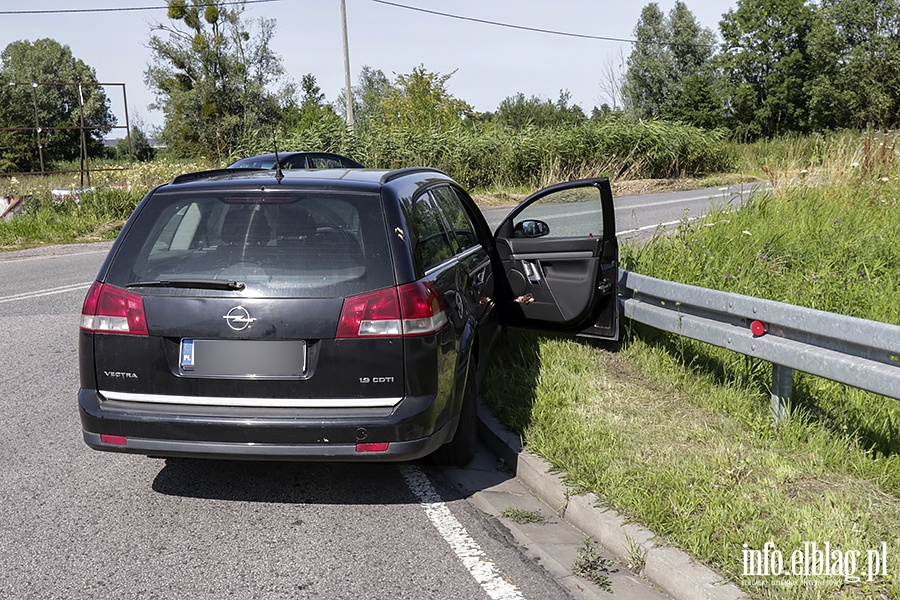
column 201, row 284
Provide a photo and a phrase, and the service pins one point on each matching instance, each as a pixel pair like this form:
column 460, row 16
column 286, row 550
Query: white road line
column 46, row 292
column 710, row 196
column 646, row 227
column 13, row 260
column 687, row 220
column 466, row 548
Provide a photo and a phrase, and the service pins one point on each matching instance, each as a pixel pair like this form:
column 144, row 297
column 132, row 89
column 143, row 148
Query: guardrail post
column 782, row 385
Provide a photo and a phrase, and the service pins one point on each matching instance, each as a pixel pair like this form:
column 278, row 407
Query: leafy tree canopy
column 519, row 112
column 854, row 47
column 669, row 72
column 211, row 71
column 368, row 98
column 767, row 62
column 313, row 108
column 46, row 61
column 419, row 99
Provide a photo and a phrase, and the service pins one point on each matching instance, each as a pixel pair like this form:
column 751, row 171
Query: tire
column 460, row 451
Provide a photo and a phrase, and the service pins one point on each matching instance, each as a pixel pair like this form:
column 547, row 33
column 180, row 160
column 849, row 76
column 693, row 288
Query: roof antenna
column 279, row 174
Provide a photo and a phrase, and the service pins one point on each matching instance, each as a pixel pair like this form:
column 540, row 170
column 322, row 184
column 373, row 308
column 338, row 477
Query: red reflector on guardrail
column 758, row 328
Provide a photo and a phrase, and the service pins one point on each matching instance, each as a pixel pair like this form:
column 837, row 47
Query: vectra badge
column 238, row 318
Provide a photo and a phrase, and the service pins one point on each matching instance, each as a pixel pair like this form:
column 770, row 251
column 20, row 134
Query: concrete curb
column 667, row 567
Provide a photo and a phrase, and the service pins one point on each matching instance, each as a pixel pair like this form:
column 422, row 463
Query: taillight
column 407, row 310
column 373, row 313
column 108, row 309
column 421, row 308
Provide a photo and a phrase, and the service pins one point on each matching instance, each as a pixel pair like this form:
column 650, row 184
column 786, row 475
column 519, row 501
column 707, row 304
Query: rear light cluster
column 109, row 309
column 411, row 309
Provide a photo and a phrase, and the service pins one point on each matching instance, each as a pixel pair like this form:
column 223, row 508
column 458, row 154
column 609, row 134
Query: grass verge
column 99, row 216
column 656, row 444
column 676, row 434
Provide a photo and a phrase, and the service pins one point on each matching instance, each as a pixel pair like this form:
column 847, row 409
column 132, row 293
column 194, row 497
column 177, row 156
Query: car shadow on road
column 320, row 483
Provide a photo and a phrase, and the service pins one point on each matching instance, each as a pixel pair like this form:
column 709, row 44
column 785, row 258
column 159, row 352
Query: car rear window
column 295, row 244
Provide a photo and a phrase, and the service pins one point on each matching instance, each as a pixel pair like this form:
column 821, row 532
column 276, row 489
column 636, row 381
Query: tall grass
column 658, row 446
column 490, row 156
column 826, row 240
column 99, row 213
column 99, row 216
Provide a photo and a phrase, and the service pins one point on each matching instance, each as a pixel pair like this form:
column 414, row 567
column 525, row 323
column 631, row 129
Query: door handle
column 532, row 271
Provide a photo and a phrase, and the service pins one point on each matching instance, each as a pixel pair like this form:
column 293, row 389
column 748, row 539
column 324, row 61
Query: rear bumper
column 413, row 429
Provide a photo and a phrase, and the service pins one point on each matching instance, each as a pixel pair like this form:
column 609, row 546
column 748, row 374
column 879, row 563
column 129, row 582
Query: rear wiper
column 200, row 284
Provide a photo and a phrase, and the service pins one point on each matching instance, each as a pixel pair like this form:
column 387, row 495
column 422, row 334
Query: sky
column 489, row 63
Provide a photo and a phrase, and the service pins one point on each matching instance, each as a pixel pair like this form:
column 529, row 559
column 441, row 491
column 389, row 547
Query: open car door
column 557, row 261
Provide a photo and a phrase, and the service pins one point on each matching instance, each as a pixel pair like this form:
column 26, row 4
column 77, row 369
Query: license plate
column 243, row 358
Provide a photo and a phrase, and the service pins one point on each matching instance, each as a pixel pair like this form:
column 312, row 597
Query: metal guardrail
column 857, row 352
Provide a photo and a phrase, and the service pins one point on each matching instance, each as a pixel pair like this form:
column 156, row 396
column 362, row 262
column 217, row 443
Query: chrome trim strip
column 573, row 255
column 441, row 265
column 254, row 402
column 469, row 251
column 456, row 258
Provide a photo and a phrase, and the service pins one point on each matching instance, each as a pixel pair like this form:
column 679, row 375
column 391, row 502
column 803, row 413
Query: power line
column 534, row 29
column 57, row 11
column 385, row 2
column 508, row 25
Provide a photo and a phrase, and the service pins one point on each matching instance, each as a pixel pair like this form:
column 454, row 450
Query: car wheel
column 460, row 451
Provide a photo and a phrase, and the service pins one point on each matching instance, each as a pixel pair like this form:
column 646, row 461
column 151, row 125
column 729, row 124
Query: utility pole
column 348, row 92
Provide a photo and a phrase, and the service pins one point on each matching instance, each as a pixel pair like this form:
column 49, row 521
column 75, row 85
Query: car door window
column 462, row 233
column 567, row 213
column 431, row 243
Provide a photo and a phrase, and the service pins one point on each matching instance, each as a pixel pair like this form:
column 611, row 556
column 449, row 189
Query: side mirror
column 531, row 228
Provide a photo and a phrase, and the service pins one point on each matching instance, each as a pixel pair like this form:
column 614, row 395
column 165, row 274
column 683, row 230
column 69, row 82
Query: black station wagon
column 327, row 315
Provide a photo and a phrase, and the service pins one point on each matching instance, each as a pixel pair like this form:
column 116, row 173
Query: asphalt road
column 639, row 216
column 77, row 523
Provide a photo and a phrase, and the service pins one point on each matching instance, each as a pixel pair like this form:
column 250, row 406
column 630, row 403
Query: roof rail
column 392, row 175
column 211, row 173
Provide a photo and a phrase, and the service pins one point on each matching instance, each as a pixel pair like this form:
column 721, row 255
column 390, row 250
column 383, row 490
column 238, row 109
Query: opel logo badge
column 238, row 318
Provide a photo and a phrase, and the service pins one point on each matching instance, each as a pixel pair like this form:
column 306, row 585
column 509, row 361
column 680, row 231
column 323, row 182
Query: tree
column 854, row 47
column 420, row 99
column 368, row 98
column 612, row 74
column 669, row 73
column 768, row 66
column 312, row 109
column 45, row 61
column 141, row 149
column 211, row 72
column 650, row 74
column 518, row 111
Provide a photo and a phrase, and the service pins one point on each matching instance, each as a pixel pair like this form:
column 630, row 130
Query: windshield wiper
column 200, row 284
